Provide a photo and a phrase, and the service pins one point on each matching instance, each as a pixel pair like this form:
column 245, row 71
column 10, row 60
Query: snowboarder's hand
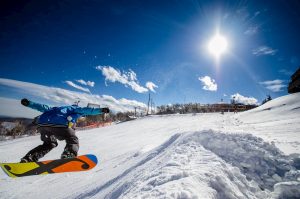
column 105, row 110
column 25, row 102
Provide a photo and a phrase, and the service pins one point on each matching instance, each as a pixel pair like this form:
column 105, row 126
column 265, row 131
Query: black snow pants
column 49, row 136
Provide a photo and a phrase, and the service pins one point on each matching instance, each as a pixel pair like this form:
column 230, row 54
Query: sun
column 217, row 45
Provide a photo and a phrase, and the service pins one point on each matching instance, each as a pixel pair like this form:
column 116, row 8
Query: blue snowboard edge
column 93, row 158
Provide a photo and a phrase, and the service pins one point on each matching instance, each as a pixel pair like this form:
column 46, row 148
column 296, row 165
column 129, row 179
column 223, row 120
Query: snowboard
column 79, row 163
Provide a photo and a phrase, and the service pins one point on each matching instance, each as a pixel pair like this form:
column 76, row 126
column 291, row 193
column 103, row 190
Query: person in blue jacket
column 57, row 123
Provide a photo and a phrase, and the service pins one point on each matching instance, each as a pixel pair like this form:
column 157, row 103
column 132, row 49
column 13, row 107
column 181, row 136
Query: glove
column 25, row 102
column 105, row 110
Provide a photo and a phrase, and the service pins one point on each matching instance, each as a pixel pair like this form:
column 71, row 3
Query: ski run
column 254, row 154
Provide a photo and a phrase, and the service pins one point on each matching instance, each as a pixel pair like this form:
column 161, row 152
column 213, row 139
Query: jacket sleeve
column 88, row 111
column 38, row 107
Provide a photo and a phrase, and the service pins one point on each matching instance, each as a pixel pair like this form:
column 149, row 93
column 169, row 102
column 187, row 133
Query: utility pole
column 148, row 104
column 234, row 106
column 154, row 108
column 151, row 104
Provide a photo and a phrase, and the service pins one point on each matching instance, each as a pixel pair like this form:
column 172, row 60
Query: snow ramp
column 207, row 164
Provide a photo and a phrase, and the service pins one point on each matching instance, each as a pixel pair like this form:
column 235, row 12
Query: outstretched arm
column 34, row 105
column 91, row 111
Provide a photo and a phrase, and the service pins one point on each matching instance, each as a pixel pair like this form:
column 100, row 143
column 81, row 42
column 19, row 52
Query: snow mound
column 207, row 164
column 258, row 160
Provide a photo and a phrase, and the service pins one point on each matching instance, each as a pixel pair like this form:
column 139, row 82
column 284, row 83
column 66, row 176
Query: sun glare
column 217, row 45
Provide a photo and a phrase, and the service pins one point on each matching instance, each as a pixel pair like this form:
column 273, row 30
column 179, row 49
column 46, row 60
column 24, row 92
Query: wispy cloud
column 86, row 83
column 264, row 50
column 59, row 96
column 286, row 72
column 295, row 61
column 70, row 83
column 151, row 86
column 243, row 13
column 251, row 30
column 238, row 98
column 127, row 78
column 208, row 83
column 274, row 85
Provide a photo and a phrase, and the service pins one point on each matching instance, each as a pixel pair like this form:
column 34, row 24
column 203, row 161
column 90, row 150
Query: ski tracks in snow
column 132, row 169
column 207, row 164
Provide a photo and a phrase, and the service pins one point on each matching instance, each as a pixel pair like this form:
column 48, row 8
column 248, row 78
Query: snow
column 255, row 154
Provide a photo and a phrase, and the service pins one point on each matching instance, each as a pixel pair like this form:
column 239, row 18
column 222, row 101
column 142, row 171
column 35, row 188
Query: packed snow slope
column 254, row 154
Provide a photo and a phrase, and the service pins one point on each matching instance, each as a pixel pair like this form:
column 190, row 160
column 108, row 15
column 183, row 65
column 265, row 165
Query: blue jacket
column 61, row 116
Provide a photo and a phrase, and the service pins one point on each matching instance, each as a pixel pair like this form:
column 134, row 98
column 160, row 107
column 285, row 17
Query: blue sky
column 125, row 49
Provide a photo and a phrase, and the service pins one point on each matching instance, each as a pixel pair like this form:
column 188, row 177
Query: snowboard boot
column 38, row 152
column 67, row 154
column 24, row 160
column 27, row 159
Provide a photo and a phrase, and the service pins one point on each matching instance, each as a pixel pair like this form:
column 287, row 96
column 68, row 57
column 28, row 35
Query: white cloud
column 208, row 83
column 70, row 83
column 276, row 88
column 58, row 96
column 86, row 83
column 274, row 85
column 264, row 50
column 151, row 86
column 244, row 100
column 127, row 78
column 272, row 82
column 90, row 83
column 132, row 103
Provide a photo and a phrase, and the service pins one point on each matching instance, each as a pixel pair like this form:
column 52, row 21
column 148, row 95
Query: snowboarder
column 57, row 123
